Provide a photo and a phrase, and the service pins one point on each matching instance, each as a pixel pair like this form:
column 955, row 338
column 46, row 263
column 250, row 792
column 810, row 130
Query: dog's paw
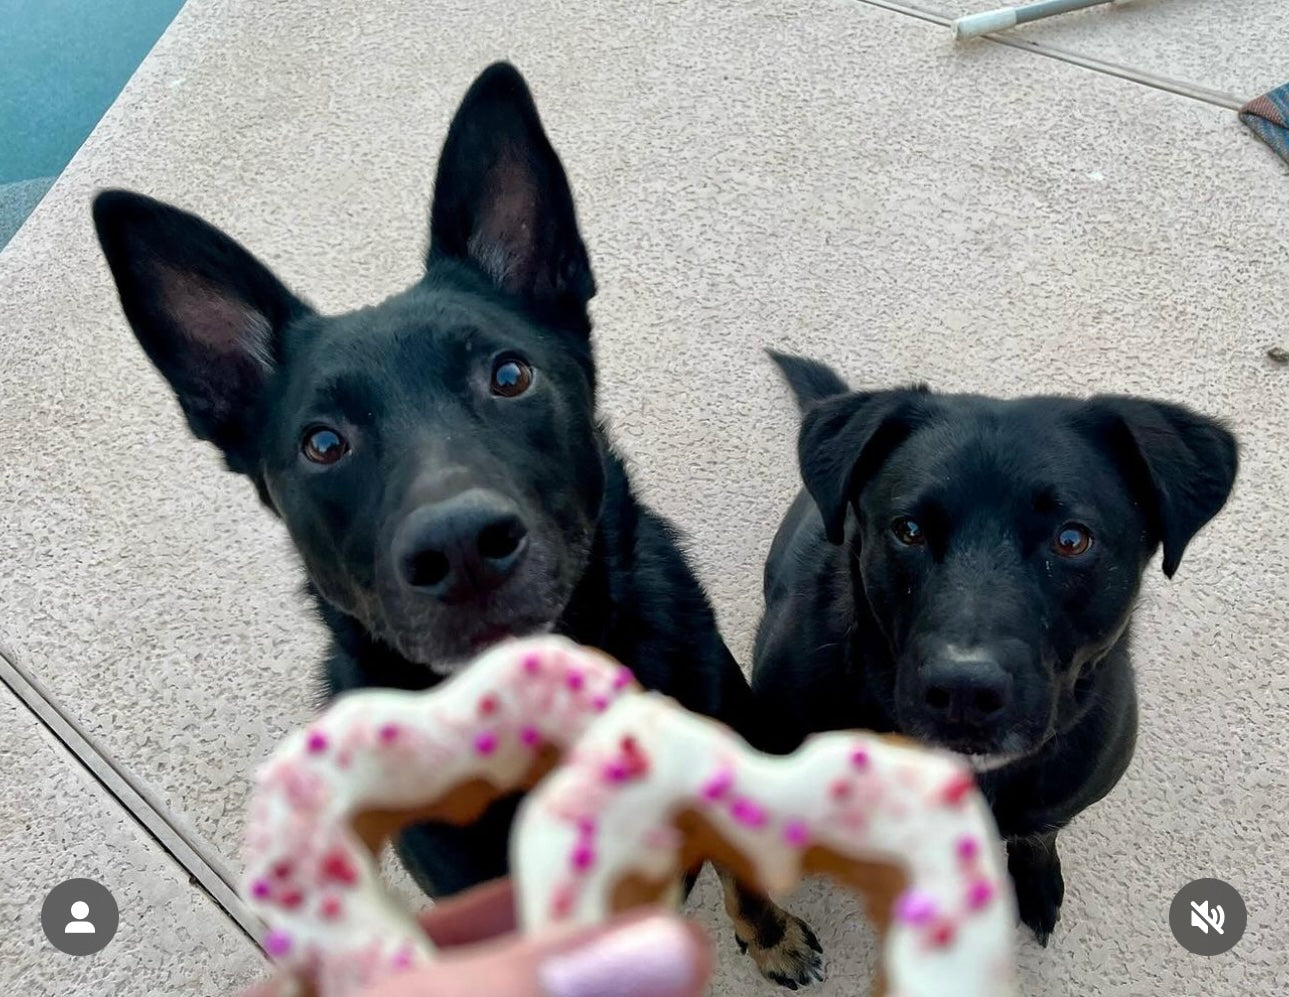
column 794, row 960
column 1040, row 889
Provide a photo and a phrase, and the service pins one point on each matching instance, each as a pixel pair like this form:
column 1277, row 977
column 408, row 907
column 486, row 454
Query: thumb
column 657, row 955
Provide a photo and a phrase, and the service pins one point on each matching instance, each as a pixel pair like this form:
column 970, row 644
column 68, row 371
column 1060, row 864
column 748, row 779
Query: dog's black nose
column 462, row 547
column 967, row 690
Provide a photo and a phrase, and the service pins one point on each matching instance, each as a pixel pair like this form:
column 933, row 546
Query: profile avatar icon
column 79, row 925
column 95, row 916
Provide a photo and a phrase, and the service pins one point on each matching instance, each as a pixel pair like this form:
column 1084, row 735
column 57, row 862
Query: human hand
column 652, row 954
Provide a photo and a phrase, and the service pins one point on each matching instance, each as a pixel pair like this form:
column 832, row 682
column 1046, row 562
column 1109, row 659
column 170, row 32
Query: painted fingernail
column 656, row 957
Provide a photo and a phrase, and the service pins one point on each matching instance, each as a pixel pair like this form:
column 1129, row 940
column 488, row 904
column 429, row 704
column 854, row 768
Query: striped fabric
column 1268, row 116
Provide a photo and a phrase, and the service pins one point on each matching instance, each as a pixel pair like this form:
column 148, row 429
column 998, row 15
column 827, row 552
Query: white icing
column 895, row 809
column 489, row 721
column 306, row 798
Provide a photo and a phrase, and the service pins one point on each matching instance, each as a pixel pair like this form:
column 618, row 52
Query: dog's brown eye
column 1071, row 540
column 511, row 377
column 908, row 532
column 324, row 446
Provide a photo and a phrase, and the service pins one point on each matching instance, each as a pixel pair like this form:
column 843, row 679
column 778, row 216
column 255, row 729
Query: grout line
column 189, row 850
column 1193, row 91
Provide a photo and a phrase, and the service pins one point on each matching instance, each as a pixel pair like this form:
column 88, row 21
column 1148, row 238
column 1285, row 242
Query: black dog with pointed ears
column 437, row 459
column 963, row 570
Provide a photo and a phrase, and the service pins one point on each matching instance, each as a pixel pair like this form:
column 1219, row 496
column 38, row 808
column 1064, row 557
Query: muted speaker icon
column 1204, row 917
column 1208, row 916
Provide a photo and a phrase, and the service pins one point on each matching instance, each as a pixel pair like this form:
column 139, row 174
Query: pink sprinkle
column 260, row 889
column 562, row 904
column 943, row 935
column 331, row 908
column 317, row 742
column 747, row 813
column 979, row 894
column 336, row 866
column 968, row 848
column 530, row 737
column 488, row 705
column 277, row 943
column 622, row 679
column 282, row 869
column 292, row 899
column 600, row 704
column 389, row 733
column 532, row 664
column 402, row 959
column 839, row 790
column 574, row 680
column 796, row 833
column 915, row 907
column 616, row 772
column 956, row 790
column 586, row 825
column 485, row 743
column 719, row 784
column 583, row 857
column 859, row 758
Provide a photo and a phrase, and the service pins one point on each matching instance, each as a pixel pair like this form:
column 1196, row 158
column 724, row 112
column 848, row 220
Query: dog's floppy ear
column 843, row 442
column 502, row 202
column 207, row 313
column 1183, row 464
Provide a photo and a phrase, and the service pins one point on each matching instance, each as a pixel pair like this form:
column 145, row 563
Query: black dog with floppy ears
column 437, row 459
column 963, row 570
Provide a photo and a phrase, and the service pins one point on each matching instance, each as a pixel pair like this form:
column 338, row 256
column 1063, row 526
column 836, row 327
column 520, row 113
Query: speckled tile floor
column 835, row 178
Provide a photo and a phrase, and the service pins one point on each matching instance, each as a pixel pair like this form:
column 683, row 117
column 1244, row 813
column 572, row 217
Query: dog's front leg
column 1035, row 869
column 783, row 947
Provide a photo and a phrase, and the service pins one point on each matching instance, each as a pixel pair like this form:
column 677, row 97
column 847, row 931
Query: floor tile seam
column 1106, row 67
column 198, row 859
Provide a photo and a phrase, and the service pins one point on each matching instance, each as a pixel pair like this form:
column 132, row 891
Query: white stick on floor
column 973, row 25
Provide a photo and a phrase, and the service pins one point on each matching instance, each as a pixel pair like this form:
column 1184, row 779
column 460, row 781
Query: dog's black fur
column 459, row 414
column 933, row 580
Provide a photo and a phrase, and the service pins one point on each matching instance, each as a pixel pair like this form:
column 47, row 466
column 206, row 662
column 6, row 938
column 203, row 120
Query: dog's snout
column 460, row 548
column 972, row 691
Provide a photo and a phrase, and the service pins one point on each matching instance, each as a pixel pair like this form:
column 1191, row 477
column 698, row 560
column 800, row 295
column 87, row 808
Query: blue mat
column 1268, row 116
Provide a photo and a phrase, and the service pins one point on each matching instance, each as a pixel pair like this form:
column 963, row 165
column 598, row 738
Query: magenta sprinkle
column 968, row 848
column 574, row 680
column 260, row 889
column 616, row 772
column 796, row 833
column 389, row 733
column 600, row 704
column 530, row 737
column 485, row 743
column 532, row 664
column 317, row 742
column 859, row 758
column 586, row 825
column 402, row 959
column 747, row 813
column 979, row 894
column 915, row 907
column 718, row 785
column 623, row 678
column 277, row 943
column 583, row 857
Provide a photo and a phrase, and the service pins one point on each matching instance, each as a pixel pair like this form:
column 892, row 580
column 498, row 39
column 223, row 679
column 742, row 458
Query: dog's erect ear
column 207, row 313
column 1183, row 464
column 843, row 442
column 809, row 380
column 502, row 202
